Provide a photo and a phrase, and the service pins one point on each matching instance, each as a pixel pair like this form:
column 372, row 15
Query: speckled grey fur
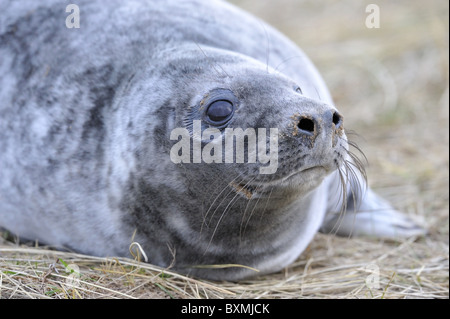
column 85, row 122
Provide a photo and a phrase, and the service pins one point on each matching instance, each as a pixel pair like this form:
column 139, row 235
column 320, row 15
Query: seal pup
column 89, row 161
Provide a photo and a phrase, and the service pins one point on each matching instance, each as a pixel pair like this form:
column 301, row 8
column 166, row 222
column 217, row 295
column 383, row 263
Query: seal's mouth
column 244, row 189
column 299, row 176
column 248, row 190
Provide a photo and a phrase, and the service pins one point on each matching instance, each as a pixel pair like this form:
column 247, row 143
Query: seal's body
column 87, row 146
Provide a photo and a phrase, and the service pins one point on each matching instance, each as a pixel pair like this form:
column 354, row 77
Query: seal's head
column 240, row 140
column 187, row 138
column 260, row 127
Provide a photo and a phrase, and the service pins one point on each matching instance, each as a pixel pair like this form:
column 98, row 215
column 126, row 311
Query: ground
column 391, row 84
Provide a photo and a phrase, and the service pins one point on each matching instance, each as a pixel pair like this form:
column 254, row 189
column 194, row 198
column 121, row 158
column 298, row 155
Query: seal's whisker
column 244, row 214
column 248, row 219
column 355, row 184
column 343, row 182
column 352, row 180
column 287, row 59
column 343, row 194
column 212, row 61
column 216, row 196
column 226, row 187
column 268, row 45
column 243, row 218
column 358, row 162
column 242, row 231
column 267, row 202
column 349, row 181
column 358, row 165
column 355, row 181
column 230, row 191
column 318, row 94
column 227, row 195
column 355, row 146
column 232, row 201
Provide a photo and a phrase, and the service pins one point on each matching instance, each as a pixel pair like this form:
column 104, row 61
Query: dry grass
column 391, row 84
column 331, row 268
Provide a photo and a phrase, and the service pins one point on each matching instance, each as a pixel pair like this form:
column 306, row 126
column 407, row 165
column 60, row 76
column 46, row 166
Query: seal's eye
column 219, row 112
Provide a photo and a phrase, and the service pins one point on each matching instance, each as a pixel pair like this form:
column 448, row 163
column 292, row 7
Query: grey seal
column 86, row 122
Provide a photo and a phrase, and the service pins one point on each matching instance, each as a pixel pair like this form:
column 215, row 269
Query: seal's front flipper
column 372, row 216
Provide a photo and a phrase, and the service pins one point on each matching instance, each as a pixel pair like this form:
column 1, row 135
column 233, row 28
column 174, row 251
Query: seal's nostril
column 337, row 119
column 306, row 125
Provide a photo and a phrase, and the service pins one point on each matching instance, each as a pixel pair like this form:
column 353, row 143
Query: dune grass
column 391, row 84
